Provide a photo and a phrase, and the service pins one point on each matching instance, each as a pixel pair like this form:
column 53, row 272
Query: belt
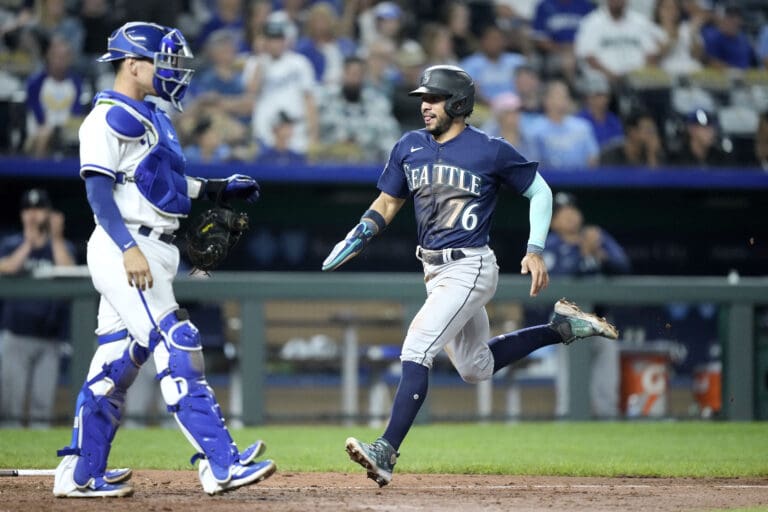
column 151, row 233
column 439, row 257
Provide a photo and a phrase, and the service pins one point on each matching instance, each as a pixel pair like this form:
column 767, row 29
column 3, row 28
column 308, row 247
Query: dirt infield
column 171, row 491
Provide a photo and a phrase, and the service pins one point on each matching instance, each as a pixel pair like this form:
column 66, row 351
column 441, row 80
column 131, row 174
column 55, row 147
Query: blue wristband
column 377, row 219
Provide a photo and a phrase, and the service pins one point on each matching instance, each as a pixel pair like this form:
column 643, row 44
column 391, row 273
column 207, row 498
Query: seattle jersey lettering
column 441, row 174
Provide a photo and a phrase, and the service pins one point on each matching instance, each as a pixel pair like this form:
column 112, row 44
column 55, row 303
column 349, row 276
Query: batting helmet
column 167, row 49
column 452, row 82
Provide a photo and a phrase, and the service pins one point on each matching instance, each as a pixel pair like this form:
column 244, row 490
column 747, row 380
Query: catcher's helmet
column 167, row 49
column 452, row 82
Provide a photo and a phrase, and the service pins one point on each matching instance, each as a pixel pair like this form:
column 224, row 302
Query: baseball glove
column 212, row 234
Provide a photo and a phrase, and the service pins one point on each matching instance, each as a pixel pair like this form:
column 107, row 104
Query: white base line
column 27, row 472
column 536, row 486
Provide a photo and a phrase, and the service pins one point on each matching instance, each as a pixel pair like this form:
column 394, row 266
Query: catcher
column 133, row 168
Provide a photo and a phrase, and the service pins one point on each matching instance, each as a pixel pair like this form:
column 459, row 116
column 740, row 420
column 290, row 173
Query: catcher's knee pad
column 191, row 399
column 99, row 406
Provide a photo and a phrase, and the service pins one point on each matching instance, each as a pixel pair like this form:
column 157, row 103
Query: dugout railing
column 738, row 302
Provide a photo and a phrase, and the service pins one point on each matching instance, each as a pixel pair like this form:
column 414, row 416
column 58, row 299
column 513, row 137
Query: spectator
column 701, row 148
column 280, row 152
column 32, row 329
column 381, row 70
column 227, row 14
column 492, row 68
column 554, row 30
column 53, row 102
column 382, row 21
column 684, row 49
column 578, row 250
column 725, row 43
column 614, row 41
column 98, row 21
column 208, row 145
column 282, row 80
column 575, row 249
column 322, row 45
column 438, row 45
column 356, row 121
column 506, row 122
column 606, row 125
column 641, row 146
column 459, row 21
column 53, row 20
column 406, row 108
column 761, row 46
column 219, row 86
column 528, row 89
column 560, row 140
column 20, row 50
column 259, row 12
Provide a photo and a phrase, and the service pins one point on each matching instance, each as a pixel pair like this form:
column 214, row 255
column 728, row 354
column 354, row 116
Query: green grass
column 672, row 449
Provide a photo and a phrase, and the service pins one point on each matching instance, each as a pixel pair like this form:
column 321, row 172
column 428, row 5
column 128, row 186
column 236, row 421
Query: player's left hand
column 533, row 264
column 237, row 186
column 240, row 186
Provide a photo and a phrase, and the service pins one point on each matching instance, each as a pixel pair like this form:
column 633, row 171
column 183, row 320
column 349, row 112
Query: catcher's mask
column 164, row 46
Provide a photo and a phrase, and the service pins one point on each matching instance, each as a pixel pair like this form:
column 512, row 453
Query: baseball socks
column 513, row 346
column 410, row 394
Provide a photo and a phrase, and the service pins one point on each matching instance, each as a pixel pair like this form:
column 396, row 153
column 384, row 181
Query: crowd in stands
column 571, row 83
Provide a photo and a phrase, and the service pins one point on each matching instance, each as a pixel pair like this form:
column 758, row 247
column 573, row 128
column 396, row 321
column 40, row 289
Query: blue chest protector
column 160, row 175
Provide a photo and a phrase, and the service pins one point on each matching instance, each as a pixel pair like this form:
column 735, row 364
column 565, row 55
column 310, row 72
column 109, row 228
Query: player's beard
column 443, row 122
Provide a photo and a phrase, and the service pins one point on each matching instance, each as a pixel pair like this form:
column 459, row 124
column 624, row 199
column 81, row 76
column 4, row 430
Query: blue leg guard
column 190, row 398
column 99, row 406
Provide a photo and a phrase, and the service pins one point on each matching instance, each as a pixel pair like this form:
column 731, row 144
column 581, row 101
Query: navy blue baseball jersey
column 455, row 184
column 34, row 317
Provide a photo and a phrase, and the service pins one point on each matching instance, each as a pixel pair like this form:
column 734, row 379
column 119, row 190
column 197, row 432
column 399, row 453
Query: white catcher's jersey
column 103, row 152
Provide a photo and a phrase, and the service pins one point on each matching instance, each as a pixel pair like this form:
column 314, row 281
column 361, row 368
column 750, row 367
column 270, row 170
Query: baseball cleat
column 64, row 485
column 573, row 324
column 253, row 452
column 378, row 458
column 116, row 476
column 241, row 475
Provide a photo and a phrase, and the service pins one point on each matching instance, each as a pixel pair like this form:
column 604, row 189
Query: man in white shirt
column 283, row 81
column 614, row 40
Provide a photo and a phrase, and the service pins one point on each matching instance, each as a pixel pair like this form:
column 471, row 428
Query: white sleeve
column 587, row 40
column 99, row 148
column 307, row 79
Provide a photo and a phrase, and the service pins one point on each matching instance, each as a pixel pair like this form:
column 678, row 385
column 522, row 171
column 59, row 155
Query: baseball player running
column 133, row 167
column 454, row 172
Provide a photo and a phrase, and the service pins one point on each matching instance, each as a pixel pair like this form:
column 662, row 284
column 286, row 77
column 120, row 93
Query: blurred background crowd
column 572, row 83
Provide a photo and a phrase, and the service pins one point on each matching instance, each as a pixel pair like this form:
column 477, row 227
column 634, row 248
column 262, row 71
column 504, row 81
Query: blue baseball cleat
column 64, row 485
column 116, row 476
column 239, row 475
column 573, row 324
column 379, row 458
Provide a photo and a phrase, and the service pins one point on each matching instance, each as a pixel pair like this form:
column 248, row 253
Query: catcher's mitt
column 212, row 234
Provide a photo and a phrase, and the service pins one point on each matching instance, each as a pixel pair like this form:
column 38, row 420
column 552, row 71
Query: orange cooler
column 644, row 382
column 707, row 388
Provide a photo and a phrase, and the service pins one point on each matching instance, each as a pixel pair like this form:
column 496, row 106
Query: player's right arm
column 374, row 220
column 100, row 139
